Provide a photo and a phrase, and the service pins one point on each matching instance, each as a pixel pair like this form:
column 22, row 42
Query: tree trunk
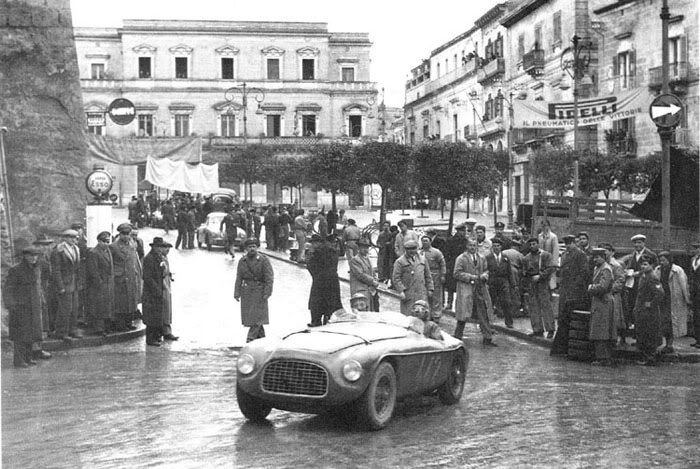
column 382, row 208
column 495, row 209
column 452, row 216
column 468, row 206
column 333, row 200
column 250, row 191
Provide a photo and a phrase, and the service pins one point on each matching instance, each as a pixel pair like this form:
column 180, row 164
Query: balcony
column 677, row 75
column 467, row 69
column 623, row 83
column 491, row 70
column 219, row 142
column 533, row 62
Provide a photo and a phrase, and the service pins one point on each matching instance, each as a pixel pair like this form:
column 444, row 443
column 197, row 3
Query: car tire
column 450, row 392
column 208, row 243
column 376, row 405
column 252, row 408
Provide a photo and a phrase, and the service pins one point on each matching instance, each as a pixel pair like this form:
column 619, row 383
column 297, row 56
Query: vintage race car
column 358, row 366
column 209, row 234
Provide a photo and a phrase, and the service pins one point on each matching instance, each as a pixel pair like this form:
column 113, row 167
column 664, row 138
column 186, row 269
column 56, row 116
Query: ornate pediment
column 145, row 49
column 273, row 107
column 146, row 106
column 181, row 49
column 96, row 106
column 355, row 107
column 272, row 51
column 347, row 60
column 227, row 107
column 181, row 107
column 308, row 52
column 308, row 107
column 227, row 51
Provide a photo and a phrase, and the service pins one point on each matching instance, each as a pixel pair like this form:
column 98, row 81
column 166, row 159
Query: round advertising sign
column 99, row 182
column 121, row 111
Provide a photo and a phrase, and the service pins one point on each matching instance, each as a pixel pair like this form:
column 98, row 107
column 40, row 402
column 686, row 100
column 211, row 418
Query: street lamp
column 509, row 144
column 244, row 91
column 574, row 61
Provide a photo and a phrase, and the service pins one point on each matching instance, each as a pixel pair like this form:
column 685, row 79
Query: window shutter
column 683, row 46
column 632, row 62
column 615, row 71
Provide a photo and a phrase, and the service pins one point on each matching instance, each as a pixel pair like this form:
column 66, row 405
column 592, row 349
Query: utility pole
column 666, row 134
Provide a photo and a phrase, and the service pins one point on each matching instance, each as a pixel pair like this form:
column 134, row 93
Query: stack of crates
column 580, row 347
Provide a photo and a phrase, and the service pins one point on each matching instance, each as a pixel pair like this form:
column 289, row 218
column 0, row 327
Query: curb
column 55, row 345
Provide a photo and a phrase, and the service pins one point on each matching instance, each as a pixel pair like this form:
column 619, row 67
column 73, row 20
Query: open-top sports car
column 358, row 365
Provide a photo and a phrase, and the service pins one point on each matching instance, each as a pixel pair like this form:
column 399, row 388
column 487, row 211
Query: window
column 307, row 69
column 355, row 126
column 455, row 126
column 488, row 53
column 447, row 66
column 437, row 130
column 412, row 138
column 348, row 74
column 556, row 28
column 308, row 125
column 521, row 47
column 274, row 125
column 426, row 131
column 273, row 69
column 438, row 70
column 95, row 122
column 182, row 125
column 498, row 46
column 675, row 50
column 538, row 37
column 180, row 67
column 227, row 68
column 145, row 125
column 488, row 109
column 624, row 69
column 144, row 67
column 228, row 125
column 97, row 71
column 456, row 65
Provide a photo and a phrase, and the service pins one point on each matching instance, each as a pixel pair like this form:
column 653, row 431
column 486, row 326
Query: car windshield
column 215, row 221
column 384, row 317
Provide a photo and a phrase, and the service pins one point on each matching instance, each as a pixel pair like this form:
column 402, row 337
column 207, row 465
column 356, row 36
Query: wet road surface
column 128, row 405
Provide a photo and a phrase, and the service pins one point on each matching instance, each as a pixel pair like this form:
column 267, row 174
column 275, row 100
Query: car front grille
column 295, row 377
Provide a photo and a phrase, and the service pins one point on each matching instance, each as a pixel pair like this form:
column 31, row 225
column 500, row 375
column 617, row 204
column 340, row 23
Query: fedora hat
column 159, row 243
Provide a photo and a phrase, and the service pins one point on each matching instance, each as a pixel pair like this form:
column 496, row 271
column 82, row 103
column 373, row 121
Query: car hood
column 334, row 337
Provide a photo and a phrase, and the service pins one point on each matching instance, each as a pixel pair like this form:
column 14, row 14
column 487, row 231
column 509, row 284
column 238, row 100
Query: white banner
column 180, row 176
column 540, row 114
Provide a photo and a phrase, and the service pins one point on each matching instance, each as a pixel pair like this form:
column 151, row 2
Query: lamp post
column 244, row 91
column 509, row 145
column 576, row 68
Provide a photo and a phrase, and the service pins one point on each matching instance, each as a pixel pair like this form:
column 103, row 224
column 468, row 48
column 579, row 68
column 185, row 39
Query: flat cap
column 124, row 228
column 363, row 242
column 499, row 224
column 358, row 296
column 69, row 233
column 461, row 226
column 430, row 230
column 498, row 241
column 410, row 244
column 470, row 220
column 638, row 237
column 104, row 236
column 598, row 252
column 31, row 250
column 316, row 238
column 568, row 239
column 480, row 227
column 250, row 242
column 421, row 303
column 531, row 239
column 583, row 233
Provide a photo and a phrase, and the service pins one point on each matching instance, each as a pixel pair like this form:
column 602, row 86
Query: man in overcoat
column 65, row 269
column 501, row 281
column 538, row 267
column 45, row 246
column 411, row 277
column 385, row 247
column 362, row 275
column 324, row 297
column 157, row 298
column 647, row 311
column 254, row 280
column 632, row 264
column 438, row 270
column 454, row 246
column 573, row 292
column 127, row 278
column 602, row 331
column 100, row 286
column 24, row 297
column 471, row 275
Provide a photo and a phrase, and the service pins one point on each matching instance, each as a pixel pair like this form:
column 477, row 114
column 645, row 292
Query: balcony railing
column 492, row 69
column 466, row 69
column 238, row 141
column 677, row 73
column 533, row 62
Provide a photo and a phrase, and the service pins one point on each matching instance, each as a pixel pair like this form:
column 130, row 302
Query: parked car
column 209, row 234
column 358, row 366
column 223, row 199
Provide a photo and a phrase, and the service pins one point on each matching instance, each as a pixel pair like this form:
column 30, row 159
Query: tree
column 331, row 167
column 292, row 174
column 246, row 165
column 552, row 168
column 637, row 174
column 384, row 164
column 599, row 173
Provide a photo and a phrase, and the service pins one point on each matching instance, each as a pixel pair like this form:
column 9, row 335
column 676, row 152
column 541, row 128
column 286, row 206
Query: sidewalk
column 521, row 326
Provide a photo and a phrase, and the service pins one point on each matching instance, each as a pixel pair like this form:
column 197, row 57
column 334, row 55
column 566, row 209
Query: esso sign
column 121, row 111
column 99, row 182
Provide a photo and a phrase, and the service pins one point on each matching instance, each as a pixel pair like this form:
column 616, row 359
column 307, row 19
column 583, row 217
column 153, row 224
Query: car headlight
column 246, row 364
column 352, row 371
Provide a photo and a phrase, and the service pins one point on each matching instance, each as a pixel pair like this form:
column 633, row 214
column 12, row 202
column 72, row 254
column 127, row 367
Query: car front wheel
column 376, row 405
column 451, row 390
column 253, row 409
column 208, row 243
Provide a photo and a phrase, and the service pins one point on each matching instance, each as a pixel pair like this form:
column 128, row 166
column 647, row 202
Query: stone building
column 305, row 84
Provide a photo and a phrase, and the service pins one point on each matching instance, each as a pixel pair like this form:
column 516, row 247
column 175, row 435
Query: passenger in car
column 421, row 323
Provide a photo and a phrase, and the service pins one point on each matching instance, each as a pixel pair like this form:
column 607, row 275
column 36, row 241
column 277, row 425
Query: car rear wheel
column 208, row 243
column 253, row 409
column 451, row 390
column 376, row 405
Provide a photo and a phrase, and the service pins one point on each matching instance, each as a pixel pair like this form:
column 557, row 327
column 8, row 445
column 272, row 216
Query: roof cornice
column 521, row 12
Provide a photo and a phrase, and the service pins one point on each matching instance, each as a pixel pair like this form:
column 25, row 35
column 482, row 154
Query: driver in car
column 421, row 323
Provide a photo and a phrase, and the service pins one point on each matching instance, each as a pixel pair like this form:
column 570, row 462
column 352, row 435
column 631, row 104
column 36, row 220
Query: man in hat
column 254, row 280
column 436, row 241
column 573, row 292
column 45, row 246
column 411, row 277
column 286, row 221
column 127, row 278
column 647, row 311
column 694, row 288
column 501, row 281
column 362, row 275
column 100, row 286
column 405, row 234
column 24, row 297
column 157, row 298
column 602, row 330
column 633, row 270
column 483, row 245
column 229, row 230
column 324, row 297
column 471, row 275
column 300, row 236
column 422, row 323
column 538, row 267
column 618, row 286
column 438, row 271
column 65, row 269
column 81, row 243
column 454, row 246
column 498, row 229
column 385, row 248
column 351, row 235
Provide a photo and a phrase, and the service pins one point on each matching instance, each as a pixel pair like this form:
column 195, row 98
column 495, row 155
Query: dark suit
column 324, row 297
column 501, row 285
column 100, row 288
column 65, row 268
column 631, row 262
column 573, row 294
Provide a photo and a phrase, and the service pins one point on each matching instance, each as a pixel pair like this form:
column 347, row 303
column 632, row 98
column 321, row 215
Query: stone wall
column 41, row 107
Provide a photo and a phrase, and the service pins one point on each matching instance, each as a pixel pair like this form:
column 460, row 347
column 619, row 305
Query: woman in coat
column 100, row 285
column 157, row 300
column 324, row 297
column 647, row 311
column 603, row 331
column 254, row 280
column 676, row 300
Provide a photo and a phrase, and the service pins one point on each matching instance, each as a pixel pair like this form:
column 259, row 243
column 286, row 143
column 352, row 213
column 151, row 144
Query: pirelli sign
column 540, row 114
